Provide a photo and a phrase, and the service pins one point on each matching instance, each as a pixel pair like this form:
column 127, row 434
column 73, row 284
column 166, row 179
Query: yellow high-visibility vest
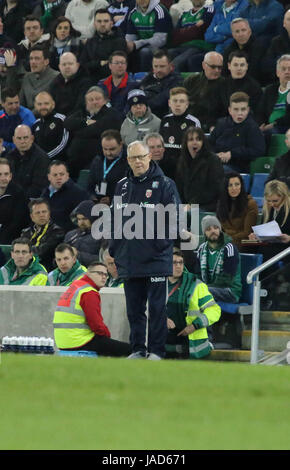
column 70, row 327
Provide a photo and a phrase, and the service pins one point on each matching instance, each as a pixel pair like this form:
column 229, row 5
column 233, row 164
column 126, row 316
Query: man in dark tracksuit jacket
column 143, row 262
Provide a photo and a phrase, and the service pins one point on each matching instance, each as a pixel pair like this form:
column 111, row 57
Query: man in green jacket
column 190, row 310
column 23, row 268
column 68, row 267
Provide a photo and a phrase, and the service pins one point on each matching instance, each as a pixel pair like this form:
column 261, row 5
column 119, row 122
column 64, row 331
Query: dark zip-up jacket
column 143, row 257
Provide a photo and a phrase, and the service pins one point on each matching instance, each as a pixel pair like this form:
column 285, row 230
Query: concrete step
column 275, row 320
column 269, row 340
column 234, row 355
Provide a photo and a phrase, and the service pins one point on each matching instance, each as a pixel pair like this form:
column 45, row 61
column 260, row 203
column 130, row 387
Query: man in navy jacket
column 144, row 258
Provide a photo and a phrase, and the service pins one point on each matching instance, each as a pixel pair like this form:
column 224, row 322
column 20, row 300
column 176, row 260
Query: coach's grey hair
column 138, row 142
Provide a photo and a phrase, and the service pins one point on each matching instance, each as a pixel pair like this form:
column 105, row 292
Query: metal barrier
column 253, row 276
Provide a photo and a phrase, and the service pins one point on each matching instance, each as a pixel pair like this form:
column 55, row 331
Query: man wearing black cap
column 81, row 238
column 219, row 262
column 140, row 120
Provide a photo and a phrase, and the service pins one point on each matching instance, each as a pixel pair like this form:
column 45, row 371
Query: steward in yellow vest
column 190, row 309
column 78, row 322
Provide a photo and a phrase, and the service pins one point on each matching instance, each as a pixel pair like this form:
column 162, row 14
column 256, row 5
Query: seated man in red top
column 78, row 322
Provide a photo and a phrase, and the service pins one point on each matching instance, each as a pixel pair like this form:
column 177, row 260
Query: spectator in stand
column 22, row 268
column 174, row 124
column 108, row 167
column 64, row 38
column 190, row 310
column 279, row 46
column 155, row 143
column 86, row 127
column 204, row 91
column 177, row 9
column 43, row 233
column 265, row 18
column 13, row 205
column 244, row 40
column 281, row 168
column 11, row 116
column 34, row 35
column 273, row 113
column 148, row 26
column 119, row 83
column 81, row 13
column 119, row 10
column 200, row 174
column 97, row 50
column 81, row 238
column 187, row 37
column 29, row 162
column 68, row 267
column 48, row 130
column 40, row 77
column 236, row 210
column 139, row 120
column 240, row 80
column 113, row 278
column 48, row 11
column 237, row 139
column 69, row 87
column 276, row 207
column 63, row 194
column 157, row 83
column 12, row 13
column 219, row 30
column 222, row 271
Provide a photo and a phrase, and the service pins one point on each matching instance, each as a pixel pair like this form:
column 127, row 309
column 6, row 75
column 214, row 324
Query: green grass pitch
column 52, row 403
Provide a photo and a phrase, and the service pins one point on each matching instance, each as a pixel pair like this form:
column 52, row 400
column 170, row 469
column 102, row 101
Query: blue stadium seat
column 247, row 181
column 248, row 262
column 83, row 353
column 258, row 184
column 257, row 188
column 138, row 76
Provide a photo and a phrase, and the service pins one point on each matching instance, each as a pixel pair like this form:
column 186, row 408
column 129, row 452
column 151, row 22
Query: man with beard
column 219, row 262
column 49, row 132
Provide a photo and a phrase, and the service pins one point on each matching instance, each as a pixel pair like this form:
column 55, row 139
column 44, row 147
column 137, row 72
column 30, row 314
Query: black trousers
column 138, row 291
column 106, row 347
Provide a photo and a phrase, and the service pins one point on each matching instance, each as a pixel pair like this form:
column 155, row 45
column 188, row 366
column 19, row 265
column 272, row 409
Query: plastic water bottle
column 8, row 343
column 4, row 343
column 20, row 344
column 25, row 344
column 14, row 344
column 50, row 346
column 37, row 345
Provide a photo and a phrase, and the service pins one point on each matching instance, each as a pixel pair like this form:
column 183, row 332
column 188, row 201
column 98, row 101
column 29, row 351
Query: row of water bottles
column 28, row 344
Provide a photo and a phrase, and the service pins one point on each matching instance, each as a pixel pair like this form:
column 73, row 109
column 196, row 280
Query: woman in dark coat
column 236, row 209
column 64, row 39
column 199, row 174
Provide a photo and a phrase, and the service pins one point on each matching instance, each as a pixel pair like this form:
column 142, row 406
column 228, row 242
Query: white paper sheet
column 269, row 231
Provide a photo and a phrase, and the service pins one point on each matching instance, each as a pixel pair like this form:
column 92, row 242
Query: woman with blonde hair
column 276, row 207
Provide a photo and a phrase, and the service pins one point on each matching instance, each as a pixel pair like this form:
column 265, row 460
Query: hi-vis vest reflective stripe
column 201, row 301
column 38, row 279
column 69, row 322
